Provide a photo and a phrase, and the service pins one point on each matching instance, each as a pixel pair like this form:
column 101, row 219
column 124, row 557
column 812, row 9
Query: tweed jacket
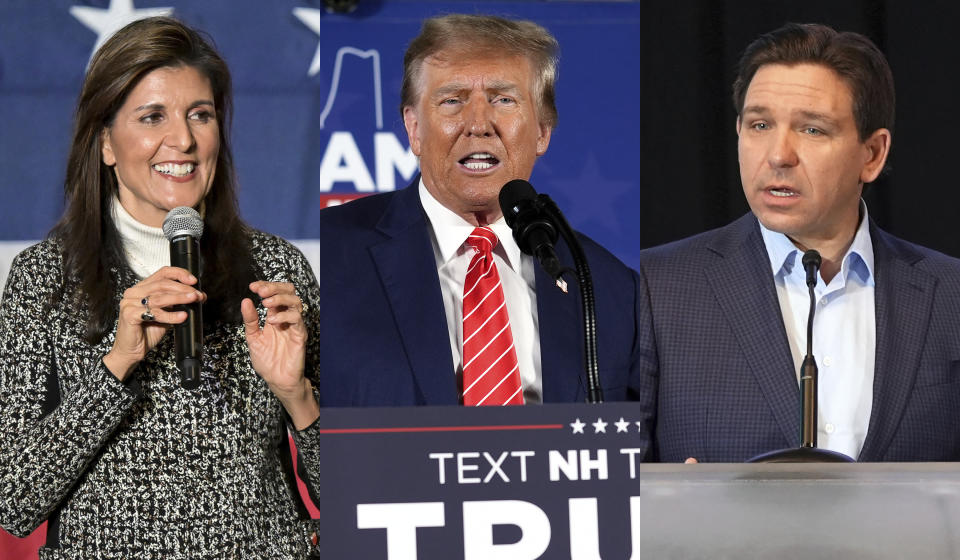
column 144, row 469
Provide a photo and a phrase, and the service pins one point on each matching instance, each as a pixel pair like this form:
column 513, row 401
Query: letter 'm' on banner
column 480, row 517
column 401, row 522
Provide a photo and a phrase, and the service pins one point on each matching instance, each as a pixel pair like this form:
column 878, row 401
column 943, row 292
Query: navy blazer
column 384, row 333
column 718, row 380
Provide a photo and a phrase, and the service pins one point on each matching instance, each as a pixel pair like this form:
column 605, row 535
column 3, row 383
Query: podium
column 567, row 482
column 874, row 511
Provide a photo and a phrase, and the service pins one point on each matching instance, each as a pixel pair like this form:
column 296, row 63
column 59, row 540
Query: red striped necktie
column 491, row 375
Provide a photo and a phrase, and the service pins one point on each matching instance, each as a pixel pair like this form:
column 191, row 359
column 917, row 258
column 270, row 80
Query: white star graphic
column 599, row 426
column 311, row 18
column 639, row 426
column 622, row 425
column 106, row 22
column 577, row 426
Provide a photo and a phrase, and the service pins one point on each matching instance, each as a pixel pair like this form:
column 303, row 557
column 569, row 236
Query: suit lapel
column 561, row 338
column 408, row 271
column 742, row 283
column 903, row 296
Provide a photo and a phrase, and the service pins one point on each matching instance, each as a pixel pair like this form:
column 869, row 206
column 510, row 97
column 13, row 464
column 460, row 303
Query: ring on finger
column 146, row 316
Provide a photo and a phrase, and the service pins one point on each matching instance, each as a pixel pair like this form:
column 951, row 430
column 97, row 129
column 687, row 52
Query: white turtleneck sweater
column 146, row 248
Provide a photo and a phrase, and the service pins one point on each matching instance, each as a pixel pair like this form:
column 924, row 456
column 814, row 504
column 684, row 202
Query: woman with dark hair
column 98, row 436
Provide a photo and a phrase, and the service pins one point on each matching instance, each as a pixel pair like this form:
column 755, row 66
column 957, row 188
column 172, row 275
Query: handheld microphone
column 808, row 370
column 183, row 227
column 533, row 230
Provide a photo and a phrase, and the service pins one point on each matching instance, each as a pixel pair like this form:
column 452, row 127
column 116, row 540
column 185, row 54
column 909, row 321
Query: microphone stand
column 808, row 452
column 587, row 302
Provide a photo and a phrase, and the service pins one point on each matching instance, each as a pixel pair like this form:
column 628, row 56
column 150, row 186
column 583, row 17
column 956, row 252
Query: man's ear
column 543, row 141
column 412, row 123
column 876, row 150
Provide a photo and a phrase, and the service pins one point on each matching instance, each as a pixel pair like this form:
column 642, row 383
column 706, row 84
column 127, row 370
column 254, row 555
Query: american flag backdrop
column 316, row 110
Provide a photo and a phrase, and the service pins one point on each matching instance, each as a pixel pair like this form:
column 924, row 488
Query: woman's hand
column 277, row 351
column 144, row 318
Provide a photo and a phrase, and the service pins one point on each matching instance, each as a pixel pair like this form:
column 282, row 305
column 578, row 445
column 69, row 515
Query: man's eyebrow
column 497, row 85
column 448, row 89
column 756, row 109
column 501, row 85
column 805, row 115
column 815, row 116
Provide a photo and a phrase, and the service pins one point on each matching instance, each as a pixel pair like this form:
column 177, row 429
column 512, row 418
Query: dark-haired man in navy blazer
column 726, row 330
column 478, row 106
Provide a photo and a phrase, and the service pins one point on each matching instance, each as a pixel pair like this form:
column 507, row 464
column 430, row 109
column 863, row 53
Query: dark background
column 689, row 157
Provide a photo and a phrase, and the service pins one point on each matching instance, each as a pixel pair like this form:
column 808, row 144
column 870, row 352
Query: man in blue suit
column 725, row 311
column 478, row 106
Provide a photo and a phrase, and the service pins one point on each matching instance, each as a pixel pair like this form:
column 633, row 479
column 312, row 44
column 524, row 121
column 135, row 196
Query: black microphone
column 183, row 227
column 811, row 263
column 808, row 370
column 533, row 230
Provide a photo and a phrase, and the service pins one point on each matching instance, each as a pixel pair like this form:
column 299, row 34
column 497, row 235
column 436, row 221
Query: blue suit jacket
column 384, row 334
column 718, row 380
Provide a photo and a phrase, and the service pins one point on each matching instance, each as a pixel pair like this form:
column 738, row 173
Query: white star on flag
column 599, row 426
column 106, row 22
column 577, row 426
column 311, row 18
column 622, row 425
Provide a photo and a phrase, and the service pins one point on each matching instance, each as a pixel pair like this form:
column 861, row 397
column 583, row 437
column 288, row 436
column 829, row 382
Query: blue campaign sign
column 552, row 481
column 316, row 95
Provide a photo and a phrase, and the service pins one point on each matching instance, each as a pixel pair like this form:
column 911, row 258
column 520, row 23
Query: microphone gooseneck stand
column 808, row 452
column 587, row 302
column 536, row 222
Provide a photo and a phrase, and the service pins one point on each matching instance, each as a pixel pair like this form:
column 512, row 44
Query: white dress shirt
column 844, row 334
column 448, row 235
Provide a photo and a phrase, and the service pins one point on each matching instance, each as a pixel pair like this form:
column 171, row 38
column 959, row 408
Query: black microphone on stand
column 533, row 230
column 536, row 221
column 808, row 452
column 808, row 370
column 183, row 227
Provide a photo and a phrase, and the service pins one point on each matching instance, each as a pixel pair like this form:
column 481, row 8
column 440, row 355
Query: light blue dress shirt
column 844, row 334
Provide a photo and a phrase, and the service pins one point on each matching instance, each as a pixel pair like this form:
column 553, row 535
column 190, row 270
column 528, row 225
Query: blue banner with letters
column 317, row 120
column 551, row 481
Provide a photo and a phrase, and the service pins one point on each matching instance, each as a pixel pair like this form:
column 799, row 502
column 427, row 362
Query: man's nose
column 783, row 152
column 479, row 118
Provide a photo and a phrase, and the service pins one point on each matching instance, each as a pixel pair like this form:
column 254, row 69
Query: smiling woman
column 98, row 435
column 163, row 143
